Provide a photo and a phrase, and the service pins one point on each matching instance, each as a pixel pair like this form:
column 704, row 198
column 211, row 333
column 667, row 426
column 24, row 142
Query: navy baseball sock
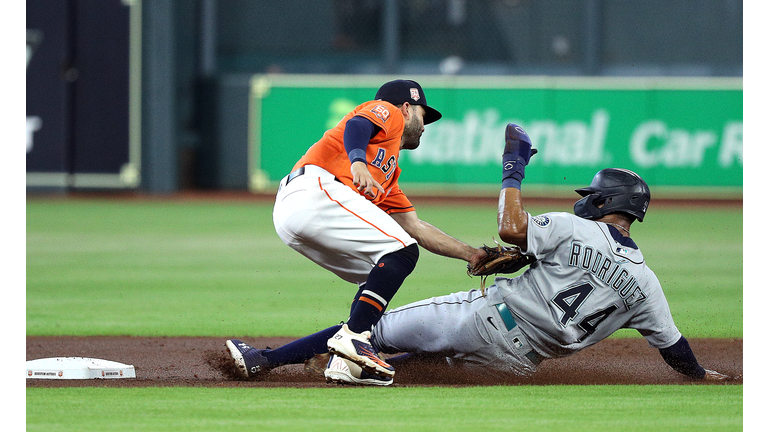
column 302, row 349
column 383, row 282
column 357, row 296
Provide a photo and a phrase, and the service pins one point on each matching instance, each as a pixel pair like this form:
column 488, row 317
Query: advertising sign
column 673, row 132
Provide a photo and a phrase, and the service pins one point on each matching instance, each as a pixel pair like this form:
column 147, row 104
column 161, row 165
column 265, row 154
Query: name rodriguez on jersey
column 613, row 274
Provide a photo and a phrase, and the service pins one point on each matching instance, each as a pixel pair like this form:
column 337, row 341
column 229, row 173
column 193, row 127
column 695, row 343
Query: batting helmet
column 613, row 190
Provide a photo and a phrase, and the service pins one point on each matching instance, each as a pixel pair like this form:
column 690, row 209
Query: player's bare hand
column 716, row 376
column 477, row 255
column 364, row 181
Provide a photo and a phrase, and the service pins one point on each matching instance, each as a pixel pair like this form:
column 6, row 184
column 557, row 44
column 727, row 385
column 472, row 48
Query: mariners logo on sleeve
column 541, row 220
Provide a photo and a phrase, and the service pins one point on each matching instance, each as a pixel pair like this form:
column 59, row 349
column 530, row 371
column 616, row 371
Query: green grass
column 524, row 408
column 219, row 269
column 698, row 257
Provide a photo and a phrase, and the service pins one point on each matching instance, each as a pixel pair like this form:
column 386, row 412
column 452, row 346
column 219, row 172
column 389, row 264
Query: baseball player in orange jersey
column 341, row 207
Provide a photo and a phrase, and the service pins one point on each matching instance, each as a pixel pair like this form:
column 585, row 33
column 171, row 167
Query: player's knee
column 411, row 254
column 405, row 258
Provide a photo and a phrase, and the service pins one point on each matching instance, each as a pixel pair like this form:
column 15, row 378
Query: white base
column 78, row 368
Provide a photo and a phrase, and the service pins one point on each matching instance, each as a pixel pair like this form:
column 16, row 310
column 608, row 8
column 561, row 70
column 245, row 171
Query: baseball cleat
column 357, row 348
column 343, row 371
column 249, row 361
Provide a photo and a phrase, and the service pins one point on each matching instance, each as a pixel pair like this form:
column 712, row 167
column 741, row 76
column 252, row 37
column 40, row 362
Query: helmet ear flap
column 587, row 207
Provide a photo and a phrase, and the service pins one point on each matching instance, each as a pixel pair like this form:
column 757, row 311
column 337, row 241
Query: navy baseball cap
column 398, row 91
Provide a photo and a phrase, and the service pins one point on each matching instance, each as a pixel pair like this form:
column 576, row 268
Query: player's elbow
column 513, row 224
column 513, row 235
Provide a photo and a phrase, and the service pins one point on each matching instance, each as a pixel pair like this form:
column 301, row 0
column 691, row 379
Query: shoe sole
column 365, row 364
column 338, row 377
column 237, row 356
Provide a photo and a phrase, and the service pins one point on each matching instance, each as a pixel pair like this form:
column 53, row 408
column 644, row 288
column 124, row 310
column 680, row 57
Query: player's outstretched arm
column 436, row 241
column 512, row 219
column 680, row 357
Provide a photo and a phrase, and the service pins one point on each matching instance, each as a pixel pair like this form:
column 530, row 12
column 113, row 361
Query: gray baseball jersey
column 588, row 281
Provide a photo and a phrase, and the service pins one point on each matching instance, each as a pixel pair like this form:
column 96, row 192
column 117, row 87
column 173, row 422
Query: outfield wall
column 680, row 134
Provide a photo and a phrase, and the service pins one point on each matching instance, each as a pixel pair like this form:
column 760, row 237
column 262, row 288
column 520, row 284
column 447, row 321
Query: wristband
column 357, row 155
column 513, row 171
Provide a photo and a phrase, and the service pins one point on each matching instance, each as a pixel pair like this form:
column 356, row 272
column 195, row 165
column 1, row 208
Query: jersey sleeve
column 653, row 318
column 382, row 114
column 546, row 232
column 396, row 202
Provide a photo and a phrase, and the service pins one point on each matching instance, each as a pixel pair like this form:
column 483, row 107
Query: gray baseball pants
column 468, row 328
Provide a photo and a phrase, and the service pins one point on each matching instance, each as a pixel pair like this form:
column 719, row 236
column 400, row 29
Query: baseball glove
column 501, row 259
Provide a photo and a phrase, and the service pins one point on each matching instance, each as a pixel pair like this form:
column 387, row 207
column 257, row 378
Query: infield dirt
column 204, row 362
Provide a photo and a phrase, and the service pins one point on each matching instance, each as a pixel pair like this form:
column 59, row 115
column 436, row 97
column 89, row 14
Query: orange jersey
column 382, row 154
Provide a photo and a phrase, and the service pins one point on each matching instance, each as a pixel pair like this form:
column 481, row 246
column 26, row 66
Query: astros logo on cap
column 415, row 94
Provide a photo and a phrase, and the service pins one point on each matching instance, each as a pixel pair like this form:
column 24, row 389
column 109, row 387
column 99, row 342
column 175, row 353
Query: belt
column 295, row 174
column 510, row 323
column 506, row 316
column 300, row 172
